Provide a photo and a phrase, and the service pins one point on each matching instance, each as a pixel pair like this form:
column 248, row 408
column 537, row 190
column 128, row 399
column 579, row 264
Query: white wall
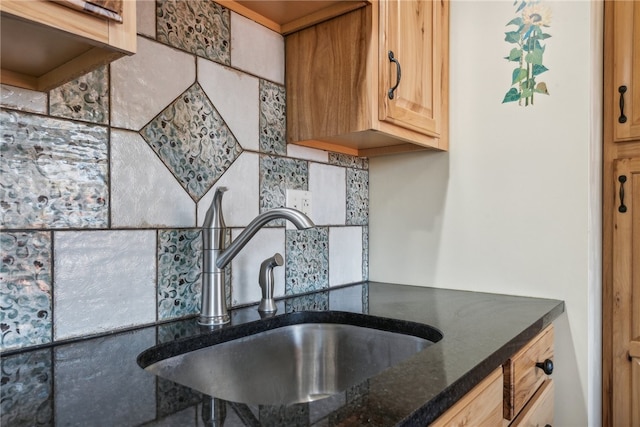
column 514, row 207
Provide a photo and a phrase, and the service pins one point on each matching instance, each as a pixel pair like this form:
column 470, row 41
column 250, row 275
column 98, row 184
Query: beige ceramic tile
column 345, row 255
column 104, row 280
column 142, row 85
column 256, row 49
column 239, row 110
column 328, row 194
column 246, row 265
column 148, row 196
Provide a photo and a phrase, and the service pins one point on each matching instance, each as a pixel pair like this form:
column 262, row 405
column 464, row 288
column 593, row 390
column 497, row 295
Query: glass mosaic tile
column 25, row 281
column 277, row 174
column 26, row 395
column 357, row 197
column 53, row 173
column 193, row 141
column 273, row 124
column 200, row 27
column 307, row 260
column 348, row 161
column 179, row 273
column 85, row 98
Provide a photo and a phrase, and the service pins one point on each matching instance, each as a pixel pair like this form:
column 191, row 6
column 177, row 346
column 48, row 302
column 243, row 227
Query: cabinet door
column 634, row 352
column 626, row 289
column 626, row 69
column 415, row 31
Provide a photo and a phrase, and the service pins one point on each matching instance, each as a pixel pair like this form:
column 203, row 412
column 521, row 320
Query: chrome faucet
column 217, row 255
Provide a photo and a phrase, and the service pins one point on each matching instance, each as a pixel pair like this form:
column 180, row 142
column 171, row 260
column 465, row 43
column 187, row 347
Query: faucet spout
column 297, row 218
column 218, row 253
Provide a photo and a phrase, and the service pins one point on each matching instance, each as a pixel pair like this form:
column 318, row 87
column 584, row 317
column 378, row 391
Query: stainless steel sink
column 298, row 357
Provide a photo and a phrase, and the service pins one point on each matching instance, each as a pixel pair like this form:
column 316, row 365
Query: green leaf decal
column 519, row 74
column 515, row 54
column 534, row 57
column 516, row 21
column 512, row 37
column 512, row 95
column 539, row 69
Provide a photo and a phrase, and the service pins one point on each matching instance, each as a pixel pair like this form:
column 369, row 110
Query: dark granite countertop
column 98, row 382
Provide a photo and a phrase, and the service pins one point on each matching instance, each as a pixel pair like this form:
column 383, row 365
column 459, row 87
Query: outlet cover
column 300, row 200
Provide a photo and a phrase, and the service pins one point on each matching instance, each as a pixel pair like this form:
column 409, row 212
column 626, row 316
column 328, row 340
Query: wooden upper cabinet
column 338, row 77
column 45, row 44
column 408, row 34
column 623, row 51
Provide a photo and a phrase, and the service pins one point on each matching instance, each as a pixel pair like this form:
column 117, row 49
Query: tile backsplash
column 105, row 180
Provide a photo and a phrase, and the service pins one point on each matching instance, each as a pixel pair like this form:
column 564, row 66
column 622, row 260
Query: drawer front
column 522, row 377
column 481, row 407
column 539, row 411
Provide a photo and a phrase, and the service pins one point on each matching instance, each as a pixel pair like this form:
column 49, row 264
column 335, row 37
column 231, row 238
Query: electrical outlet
column 300, row 200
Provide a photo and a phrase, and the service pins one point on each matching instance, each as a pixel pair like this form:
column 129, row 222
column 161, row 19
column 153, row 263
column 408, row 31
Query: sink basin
column 293, row 358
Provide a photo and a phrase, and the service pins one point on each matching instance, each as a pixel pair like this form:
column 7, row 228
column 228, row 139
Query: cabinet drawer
column 522, row 377
column 480, row 407
column 539, row 411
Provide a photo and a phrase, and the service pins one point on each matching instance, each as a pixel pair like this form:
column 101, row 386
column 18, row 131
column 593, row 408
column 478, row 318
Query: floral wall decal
column 528, row 36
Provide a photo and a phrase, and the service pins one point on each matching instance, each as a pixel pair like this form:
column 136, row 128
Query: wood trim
column 320, row 16
column 48, row 13
column 17, row 79
column 122, row 36
column 79, row 66
column 284, row 28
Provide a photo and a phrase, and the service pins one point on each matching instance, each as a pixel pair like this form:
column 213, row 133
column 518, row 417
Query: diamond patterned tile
column 200, row 27
column 193, row 141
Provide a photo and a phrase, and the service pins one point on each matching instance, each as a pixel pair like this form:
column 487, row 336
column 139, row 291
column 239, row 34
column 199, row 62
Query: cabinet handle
column 622, row 90
column 546, row 366
column 392, row 58
column 622, row 179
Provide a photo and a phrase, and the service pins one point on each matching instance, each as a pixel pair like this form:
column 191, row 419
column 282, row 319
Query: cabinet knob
column 546, row 366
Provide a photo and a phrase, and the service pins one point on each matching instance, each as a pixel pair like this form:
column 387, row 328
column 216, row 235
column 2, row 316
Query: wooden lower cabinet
column 481, row 407
column 539, row 410
column 518, row 394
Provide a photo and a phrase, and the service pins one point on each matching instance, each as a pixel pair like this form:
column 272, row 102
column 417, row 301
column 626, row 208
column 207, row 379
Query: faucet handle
column 265, row 279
